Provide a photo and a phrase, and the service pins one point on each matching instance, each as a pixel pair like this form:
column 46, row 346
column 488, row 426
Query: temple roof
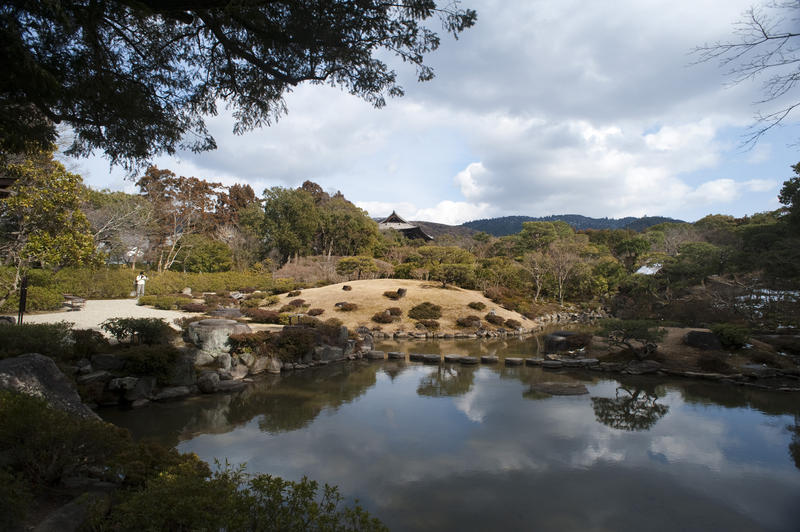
column 396, row 222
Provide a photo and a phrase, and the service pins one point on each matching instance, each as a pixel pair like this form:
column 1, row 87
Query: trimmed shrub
column 431, row 325
column 51, row 339
column 251, row 302
column 512, row 324
column 477, row 305
column 425, row 311
column 194, row 307
column 346, row 307
column 168, row 302
column 347, row 287
column 214, row 300
column 315, row 311
column 259, row 315
column 469, row 321
column 382, row 317
column 38, row 298
column 494, row 319
column 271, row 300
column 395, row 311
column 149, row 331
column 293, row 293
column 731, row 336
column 395, row 294
column 297, row 302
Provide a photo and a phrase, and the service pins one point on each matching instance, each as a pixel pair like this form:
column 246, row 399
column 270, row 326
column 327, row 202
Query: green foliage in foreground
column 186, row 498
column 51, row 339
column 158, row 488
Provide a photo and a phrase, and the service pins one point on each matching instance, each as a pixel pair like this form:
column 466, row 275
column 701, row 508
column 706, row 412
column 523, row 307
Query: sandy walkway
column 99, row 310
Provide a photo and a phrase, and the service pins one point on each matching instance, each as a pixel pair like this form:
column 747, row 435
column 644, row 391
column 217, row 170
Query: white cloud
column 543, row 108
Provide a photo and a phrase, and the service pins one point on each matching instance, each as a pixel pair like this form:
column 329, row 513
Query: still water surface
column 475, row 448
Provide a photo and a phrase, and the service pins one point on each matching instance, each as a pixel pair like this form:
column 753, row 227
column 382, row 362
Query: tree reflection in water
column 794, row 446
column 447, row 381
column 629, row 410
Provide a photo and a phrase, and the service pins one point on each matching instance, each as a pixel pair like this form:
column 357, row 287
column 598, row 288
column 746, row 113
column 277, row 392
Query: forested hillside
column 508, row 225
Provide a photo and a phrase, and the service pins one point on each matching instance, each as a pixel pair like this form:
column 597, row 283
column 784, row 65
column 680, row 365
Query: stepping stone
column 453, row 358
column 533, row 361
column 489, row 359
column 585, row 362
column 552, row 364
column 396, row 355
column 431, row 359
column 375, row 355
column 416, row 357
column 468, row 361
column 514, row 361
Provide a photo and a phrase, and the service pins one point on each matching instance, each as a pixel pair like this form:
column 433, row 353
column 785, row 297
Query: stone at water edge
column 208, row 382
column 453, row 358
column 431, row 359
column 396, row 355
column 468, row 361
column 38, row 376
column 513, row 361
column 375, row 355
column 489, row 359
column 211, row 337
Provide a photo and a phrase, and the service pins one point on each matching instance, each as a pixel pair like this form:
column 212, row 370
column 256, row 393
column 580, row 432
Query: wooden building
column 394, row 221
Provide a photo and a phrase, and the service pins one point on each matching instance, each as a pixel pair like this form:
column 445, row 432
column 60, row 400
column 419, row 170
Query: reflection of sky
column 460, row 461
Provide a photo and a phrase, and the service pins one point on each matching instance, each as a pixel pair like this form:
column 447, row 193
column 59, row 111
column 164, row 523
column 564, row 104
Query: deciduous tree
column 41, row 223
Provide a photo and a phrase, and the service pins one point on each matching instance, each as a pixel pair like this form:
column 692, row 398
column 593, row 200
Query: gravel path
column 97, row 311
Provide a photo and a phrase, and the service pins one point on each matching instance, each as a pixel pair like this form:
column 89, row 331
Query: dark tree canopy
column 136, row 78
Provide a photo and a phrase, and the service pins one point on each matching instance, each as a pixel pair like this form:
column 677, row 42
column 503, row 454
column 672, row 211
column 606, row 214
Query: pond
column 482, row 448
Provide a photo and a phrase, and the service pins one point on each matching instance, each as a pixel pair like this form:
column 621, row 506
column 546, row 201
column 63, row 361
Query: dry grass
column 368, row 295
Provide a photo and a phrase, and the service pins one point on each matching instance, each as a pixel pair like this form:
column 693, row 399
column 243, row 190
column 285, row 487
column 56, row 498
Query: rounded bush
column 471, row 321
column 293, row 293
column 494, row 319
column 425, row 311
column 194, row 307
column 477, row 305
column 395, row 311
column 731, row 336
column 259, row 315
column 346, row 307
column 382, row 317
column 431, row 325
column 315, row 311
column 512, row 324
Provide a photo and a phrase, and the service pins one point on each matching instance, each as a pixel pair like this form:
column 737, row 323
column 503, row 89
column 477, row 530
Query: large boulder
column 702, row 340
column 211, row 337
column 557, row 341
column 37, row 375
column 182, row 372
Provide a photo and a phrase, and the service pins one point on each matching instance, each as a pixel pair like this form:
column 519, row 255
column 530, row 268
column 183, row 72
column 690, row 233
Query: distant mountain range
column 509, row 225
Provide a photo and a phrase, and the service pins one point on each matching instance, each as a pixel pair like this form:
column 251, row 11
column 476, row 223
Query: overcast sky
column 544, row 107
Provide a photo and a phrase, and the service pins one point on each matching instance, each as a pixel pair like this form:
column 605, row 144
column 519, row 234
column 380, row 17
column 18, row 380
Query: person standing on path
column 140, row 280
